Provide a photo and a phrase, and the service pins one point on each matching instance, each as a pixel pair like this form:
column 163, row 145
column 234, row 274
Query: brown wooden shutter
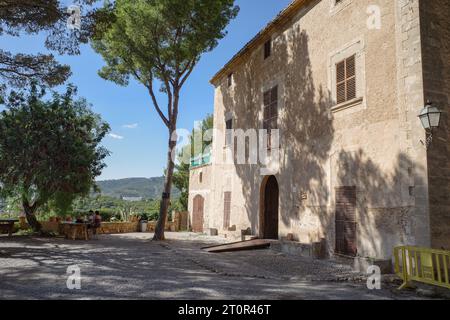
column 227, row 210
column 346, row 221
column 350, row 70
column 340, row 81
column 346, row 80
column 270, row 113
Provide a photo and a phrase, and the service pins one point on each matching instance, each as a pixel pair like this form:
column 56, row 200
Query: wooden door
column 346, row 221
column 197, row 215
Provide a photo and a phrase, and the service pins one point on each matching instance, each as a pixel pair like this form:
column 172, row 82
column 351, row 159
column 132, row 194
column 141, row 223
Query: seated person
column 79, row 219
column 91, row 217
column 97, row 222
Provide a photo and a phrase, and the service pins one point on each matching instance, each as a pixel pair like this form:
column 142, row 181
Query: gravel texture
column 130, row 266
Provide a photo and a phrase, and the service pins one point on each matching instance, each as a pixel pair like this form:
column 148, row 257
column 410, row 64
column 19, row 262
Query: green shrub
column 153, row 216
column 26, row 232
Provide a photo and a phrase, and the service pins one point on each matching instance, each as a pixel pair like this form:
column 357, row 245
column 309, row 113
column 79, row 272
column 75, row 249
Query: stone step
column 239, row 246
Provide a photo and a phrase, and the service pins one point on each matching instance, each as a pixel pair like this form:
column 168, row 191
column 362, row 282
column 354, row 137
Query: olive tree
column 49, row 150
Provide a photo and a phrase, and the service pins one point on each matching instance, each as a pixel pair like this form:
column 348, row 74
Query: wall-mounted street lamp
column 430, row 117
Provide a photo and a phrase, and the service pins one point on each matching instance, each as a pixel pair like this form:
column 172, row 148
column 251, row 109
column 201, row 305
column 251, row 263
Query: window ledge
column 338, row 7
column 347, row 104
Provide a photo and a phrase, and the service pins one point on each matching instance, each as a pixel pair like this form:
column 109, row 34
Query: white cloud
column 130, row 126
column 115, row 136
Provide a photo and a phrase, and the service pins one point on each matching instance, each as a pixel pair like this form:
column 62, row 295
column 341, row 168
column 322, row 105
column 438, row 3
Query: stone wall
column 179, row 223
column 118, row 227
column 435, row 30
column 199, row 186
column 373, row 144
column 47, row 226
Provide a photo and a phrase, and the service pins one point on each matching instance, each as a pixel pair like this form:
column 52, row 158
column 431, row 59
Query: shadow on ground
column 133, row 267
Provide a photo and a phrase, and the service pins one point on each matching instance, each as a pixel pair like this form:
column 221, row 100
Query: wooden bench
column 7, row 225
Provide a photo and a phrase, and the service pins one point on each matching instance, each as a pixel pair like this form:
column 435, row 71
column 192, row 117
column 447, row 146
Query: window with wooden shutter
column 226, row 210
column 346, row 80
column 270, row 113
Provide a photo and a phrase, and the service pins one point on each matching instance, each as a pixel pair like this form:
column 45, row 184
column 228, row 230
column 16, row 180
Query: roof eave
column 260, row 38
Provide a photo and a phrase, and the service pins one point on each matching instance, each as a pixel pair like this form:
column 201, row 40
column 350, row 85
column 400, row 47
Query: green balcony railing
column 201, row 160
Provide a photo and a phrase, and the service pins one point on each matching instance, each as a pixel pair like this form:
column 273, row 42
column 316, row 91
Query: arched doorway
column 197, row 214
column 269, row 208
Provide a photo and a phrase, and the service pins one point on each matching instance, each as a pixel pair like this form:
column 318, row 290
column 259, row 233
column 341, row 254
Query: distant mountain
column 147, row 188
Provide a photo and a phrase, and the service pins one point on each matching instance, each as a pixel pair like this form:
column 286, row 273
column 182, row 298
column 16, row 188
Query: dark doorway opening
column 269, row 210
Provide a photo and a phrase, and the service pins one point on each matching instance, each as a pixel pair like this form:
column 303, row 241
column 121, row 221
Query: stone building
column 343, row 82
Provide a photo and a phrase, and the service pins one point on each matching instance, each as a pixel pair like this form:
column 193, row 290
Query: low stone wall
column 179, row 223
column 315, row 250
column 50, row 226
column 118, row 227
column 170, row 226
column 47, row 226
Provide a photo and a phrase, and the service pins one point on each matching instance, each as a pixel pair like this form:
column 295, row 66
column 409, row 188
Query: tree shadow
column 315, row 158
column 120, row 267
column 305, row 125
column 386, row 215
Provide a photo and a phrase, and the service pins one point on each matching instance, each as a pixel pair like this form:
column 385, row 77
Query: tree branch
column 189, row 70
column 149, row 86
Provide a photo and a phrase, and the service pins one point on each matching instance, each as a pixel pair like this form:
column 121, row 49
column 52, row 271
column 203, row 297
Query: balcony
column 201, row 160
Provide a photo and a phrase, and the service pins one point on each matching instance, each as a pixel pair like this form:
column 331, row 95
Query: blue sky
column 138, row 143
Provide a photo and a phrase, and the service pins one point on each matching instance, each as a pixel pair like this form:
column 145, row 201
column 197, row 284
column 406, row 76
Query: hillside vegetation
column 146, row 188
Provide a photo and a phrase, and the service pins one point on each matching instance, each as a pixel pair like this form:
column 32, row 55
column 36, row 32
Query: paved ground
column 133, row 267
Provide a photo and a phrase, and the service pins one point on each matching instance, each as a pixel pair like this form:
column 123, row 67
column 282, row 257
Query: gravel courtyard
column 130, row 266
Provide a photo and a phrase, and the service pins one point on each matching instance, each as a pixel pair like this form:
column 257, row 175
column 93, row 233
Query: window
column 270, row 113
column 267, row 49
column 200, row 177
column 346, row 80
column 226, row 209
column 228, row 132
column 230, row 80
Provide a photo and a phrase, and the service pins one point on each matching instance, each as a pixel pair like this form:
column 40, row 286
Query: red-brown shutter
column 346, row 80
column 346, row 225
column 227, row 210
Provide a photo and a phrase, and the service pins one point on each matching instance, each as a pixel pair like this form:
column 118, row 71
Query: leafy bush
column 26, row 232
column 153, row 216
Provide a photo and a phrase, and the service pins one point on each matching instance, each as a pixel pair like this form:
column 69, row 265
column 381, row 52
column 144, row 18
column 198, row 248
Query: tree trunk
column 165, row 202
column 31, row 217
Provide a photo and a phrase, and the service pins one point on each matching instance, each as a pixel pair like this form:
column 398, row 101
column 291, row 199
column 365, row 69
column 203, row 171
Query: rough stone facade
column 372, row 143
column 200, row 187
column 435, row 31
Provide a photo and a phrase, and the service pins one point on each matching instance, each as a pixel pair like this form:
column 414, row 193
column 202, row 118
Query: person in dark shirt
column 96, row 224
column 79, row 219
